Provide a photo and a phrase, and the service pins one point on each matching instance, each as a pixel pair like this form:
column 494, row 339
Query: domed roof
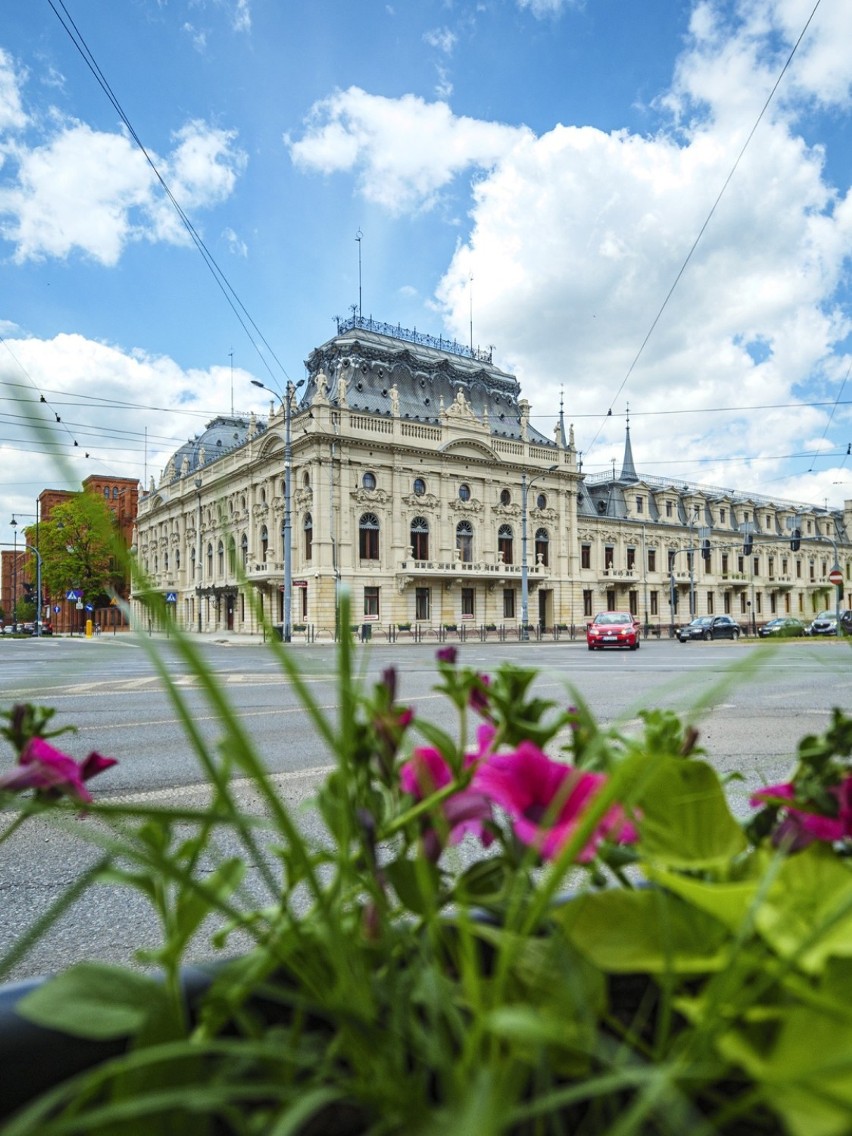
column 221, row 434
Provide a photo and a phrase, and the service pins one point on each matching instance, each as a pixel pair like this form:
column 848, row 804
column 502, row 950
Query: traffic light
column 28, row 591
column 748, row 544
column 796, row 540
column 705, row 549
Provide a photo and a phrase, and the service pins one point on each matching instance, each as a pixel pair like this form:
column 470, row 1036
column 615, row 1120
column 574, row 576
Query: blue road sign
column 74, row 594
column 171, row 597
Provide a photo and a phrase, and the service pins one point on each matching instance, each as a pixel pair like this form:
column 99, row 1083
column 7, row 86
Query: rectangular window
column 467, row 609
column 671, row 559
column 655, row 603
column 709, row 603
column 721, row 516
column 785, row 566
column 757, row 565
column 585, row 556
column 772, row 607
column 610, row 599
column 587, row 603
column 724, row 564
column 770, row 567
column 369, row 544
column 609, row 556
column 669, row 508
column 741, row 564
column 652, row 560
column 757, row 603
column 742, row 603
column 799, row 569
column 633, row 602
column 422, row 603
column 640, row 504
column 631, row 558
column 727, row 603
column 371, row 602
column 509, row 603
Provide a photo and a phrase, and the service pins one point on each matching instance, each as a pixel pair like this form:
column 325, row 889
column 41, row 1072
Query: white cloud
column 404, row 151
column 442, row 38
column 12, row 115
column 128, row 410
column 235, row 244
column 544, row 8
column 94, row 192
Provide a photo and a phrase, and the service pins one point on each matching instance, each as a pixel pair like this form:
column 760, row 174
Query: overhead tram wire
column 707, row 221
column 233, row 300
column 834, row 407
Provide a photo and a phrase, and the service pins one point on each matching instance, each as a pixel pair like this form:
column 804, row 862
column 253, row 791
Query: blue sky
column 545, row 166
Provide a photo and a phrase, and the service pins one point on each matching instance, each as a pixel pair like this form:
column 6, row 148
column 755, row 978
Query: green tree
column 81, row 548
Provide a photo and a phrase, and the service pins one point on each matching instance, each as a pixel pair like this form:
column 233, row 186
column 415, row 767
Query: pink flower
column 52, row 772
column 546, row 800
column 801, row 826
column 465, row 811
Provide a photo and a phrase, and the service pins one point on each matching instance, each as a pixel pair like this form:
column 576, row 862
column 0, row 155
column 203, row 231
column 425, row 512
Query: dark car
column 613, row 629
column 825, row 623
column 710, row 627
column 784, row 627
column 846, row 623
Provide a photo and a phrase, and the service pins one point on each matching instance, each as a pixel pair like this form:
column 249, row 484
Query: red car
column 613, row 629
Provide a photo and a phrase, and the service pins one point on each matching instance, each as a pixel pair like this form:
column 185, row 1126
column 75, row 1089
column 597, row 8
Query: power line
column 233, row 300
column 709, row 217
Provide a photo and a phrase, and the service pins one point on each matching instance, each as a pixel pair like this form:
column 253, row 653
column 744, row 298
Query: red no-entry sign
column 836, row 577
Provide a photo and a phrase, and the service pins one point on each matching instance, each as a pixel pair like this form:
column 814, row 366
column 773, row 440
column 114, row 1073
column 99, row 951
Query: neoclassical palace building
column 419, row 483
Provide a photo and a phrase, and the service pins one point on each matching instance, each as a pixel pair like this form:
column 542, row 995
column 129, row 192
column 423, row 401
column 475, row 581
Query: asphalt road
column 752, row 703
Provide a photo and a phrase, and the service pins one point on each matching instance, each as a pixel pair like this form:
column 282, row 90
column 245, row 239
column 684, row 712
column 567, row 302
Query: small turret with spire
column 628, row 469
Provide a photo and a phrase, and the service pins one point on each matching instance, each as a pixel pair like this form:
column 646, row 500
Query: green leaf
column 684, row 818
column 95, row 1001
column 643, row 931
column 730, row 903
column 416, row 882
column 807, row 913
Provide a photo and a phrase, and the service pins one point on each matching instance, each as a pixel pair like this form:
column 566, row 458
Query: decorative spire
column 628, row 469
column 561, row 440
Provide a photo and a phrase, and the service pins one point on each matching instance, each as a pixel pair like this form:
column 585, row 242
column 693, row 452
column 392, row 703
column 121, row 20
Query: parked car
column 825, row 623
column 46, row 628
column 846, row 623
column 710, row 627
column 613, row 629
column 785, row 627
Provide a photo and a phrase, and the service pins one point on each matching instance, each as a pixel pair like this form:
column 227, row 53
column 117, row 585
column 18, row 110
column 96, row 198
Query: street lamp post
column 200, row 556
column 35, row 551
column 14, row 524
column 287, row 627
column 525, row 594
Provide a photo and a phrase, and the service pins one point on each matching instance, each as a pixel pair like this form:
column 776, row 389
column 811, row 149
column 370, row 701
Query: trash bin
column 366, row 632
column 278, row 631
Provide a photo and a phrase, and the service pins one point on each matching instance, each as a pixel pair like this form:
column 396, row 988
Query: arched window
column 420, row 538
column 263, row 496
column 232, row 556
column 464, row 492
column 464, row 541
column 541, row 501
column 369, row 481
column 220, row 559
column 505, row 497
column 264, row 543
column 419, row 486
column 177, row 560
column 192, row 562
column 542, row 544
column 115, row 492
column 506, row 543
column 209, row 561
column 309, row 536
column 165, row 561
column 106, row 492
column 306, row 480
column 368, row 537
column 244, row 549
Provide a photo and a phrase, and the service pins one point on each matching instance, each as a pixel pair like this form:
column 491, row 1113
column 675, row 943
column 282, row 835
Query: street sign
column 171, row 597
column 836, row 577
column 90, row 607
column 56, row 609
column 300, row 583
column 74, row 594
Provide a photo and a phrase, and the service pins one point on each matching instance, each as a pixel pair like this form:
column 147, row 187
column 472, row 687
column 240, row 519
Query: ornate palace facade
column 419, row 484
